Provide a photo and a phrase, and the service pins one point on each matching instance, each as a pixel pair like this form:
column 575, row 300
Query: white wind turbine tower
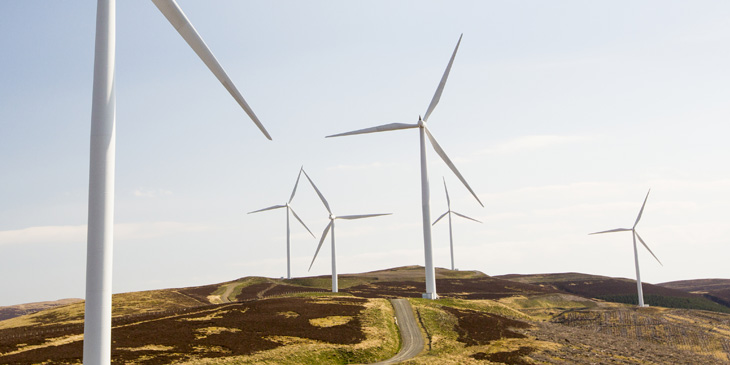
column 97, row 318
column 635, row 235
column 425, row 195
column 331, row 226
column 288, row 209
column 449, row 212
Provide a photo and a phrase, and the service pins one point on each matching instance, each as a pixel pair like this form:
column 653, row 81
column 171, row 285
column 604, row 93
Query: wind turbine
column 635, row 235
column 288, row 209
column 449, row 212
column 331, row 226
column 98, row 313
column 425, row 195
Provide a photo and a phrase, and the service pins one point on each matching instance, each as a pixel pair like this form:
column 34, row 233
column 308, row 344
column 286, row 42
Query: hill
column 524, row 320
column 618, row 290
column 399, row 282
column 717, row 290
column 23, row 309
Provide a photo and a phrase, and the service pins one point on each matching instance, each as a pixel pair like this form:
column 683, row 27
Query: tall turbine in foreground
column 98, row 312
column 635, row 235
column 425, row 195
column 449, row 212
column 288, row 235
column 331, row 226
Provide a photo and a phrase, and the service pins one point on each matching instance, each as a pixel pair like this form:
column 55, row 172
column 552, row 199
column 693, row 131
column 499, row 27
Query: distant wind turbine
column 288, row 209
column 635, row 235
column 331, row 226
column 449, row 212
column 425, row 194
column 98, row 312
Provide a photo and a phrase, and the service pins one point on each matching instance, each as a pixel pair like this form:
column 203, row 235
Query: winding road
column 410, row 333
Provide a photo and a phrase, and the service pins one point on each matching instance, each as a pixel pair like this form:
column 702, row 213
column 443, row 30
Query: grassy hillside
column 29, row 308
column 331, row 329
column 125, row 304
column 550, row 319
column 474, row 331
column 619, row 290
column 248, row 288
column 717, row 290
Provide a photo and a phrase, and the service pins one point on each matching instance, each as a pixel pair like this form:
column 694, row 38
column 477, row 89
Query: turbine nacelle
column 633, row 229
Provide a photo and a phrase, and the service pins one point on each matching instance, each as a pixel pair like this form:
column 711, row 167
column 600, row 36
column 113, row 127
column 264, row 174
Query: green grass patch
column 545, row 307
column 440, row 326
column 150, row 301
column 458, row 274
column 343, row 282
column 560, row 301
column 245, row 283
column 72, row 313
column 313, row 295
column 122, row 304
column 239, row 285
column 483, row 305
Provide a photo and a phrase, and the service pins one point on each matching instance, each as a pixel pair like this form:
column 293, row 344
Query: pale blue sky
column 561, row 115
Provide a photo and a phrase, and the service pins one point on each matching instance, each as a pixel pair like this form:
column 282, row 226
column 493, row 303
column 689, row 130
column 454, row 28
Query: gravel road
column 409, row 331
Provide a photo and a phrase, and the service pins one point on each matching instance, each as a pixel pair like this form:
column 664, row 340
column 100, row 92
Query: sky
column 561, row 116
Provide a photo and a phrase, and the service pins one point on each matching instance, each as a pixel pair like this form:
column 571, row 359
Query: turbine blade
column 324, row 235
column 647, row 247
column 448, row 201
column 171, row 10
column 463, row 216
column 269, row 208
column 642, row 208
column 324, row 201
column 300, row 221
column 440, row 88
column 439, row 218
column 361, row 216
column 613, row 230
column 380, row 128
column 448, row 162
column 296, row 184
